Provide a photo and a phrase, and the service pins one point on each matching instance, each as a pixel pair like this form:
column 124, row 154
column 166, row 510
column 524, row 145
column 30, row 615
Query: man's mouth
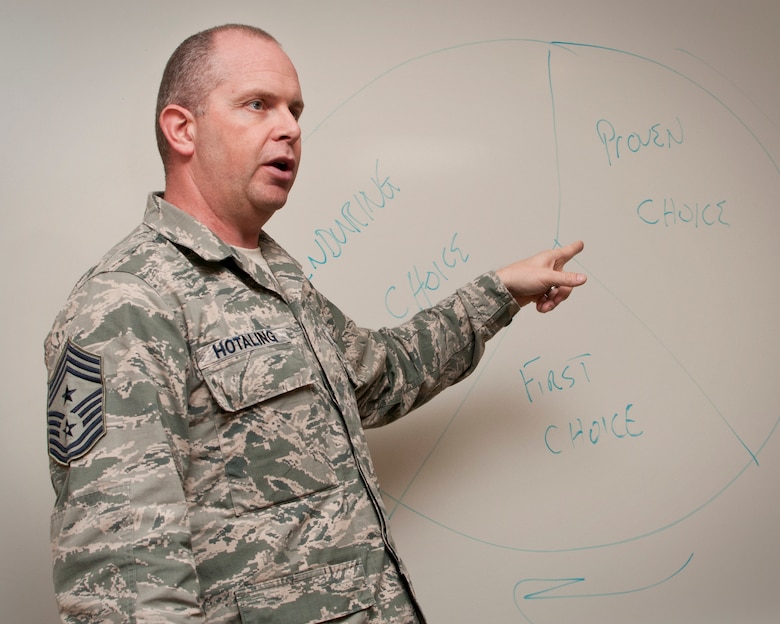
column 282, row 165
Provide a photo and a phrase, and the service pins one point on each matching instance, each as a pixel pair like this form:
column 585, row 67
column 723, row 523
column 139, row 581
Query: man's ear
column 178, row 126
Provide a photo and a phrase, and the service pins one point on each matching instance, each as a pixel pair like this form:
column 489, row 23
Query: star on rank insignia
column 75, row 405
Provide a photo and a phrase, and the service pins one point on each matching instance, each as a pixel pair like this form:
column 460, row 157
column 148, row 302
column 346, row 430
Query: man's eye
column 256, row 105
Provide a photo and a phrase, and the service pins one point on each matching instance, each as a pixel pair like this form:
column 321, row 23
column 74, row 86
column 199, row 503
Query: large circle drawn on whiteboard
column 666, row 398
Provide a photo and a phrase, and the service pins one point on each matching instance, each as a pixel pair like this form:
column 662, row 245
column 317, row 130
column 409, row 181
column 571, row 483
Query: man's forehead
column 251, row 65
column 239, row 51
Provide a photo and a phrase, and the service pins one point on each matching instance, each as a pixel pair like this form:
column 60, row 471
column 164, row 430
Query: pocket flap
column 321, row 594
column 255, row 375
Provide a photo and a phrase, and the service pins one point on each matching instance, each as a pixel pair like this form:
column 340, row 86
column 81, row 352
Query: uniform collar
column 184, row 230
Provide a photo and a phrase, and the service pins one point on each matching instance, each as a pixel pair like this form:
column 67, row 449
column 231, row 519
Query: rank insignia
column 75, row 405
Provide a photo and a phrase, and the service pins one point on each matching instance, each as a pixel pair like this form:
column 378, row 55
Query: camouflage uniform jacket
column 205, row 434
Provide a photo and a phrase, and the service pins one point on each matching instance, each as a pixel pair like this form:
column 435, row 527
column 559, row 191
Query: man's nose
column 288, row 128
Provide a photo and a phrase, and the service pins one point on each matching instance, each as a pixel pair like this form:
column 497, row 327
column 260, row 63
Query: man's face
column 247, row 141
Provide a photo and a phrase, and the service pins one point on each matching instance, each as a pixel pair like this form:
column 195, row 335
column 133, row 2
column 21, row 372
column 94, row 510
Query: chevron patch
column 75, row 405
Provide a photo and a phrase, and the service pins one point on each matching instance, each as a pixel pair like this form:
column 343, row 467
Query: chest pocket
column 276, row 434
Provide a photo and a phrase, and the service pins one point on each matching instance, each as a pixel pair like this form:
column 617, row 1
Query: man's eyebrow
column 264, row 94
column 252, row 93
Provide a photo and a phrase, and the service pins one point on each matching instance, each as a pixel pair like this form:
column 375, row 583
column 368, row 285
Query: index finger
column 564, row 254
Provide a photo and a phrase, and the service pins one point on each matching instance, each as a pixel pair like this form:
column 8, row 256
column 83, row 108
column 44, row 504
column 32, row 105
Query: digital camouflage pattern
column 232, row 481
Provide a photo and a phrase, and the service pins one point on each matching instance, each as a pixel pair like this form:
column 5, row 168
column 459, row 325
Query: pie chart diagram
column 645, row 397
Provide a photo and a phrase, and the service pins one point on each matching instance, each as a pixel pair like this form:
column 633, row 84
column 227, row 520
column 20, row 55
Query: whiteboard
column 615, row 461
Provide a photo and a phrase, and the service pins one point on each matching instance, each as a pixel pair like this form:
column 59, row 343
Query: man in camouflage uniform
column 206, row 403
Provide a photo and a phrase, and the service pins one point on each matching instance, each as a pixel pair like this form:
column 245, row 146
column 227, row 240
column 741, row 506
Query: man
column 206, row 404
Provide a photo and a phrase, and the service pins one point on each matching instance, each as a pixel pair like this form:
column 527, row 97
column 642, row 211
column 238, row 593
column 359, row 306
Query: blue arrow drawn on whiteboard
column 553, row 585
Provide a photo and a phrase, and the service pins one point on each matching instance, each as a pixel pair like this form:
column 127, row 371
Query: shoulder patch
column 75, row 404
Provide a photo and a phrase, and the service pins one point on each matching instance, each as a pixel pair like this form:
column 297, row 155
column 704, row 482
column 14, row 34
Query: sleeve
column 117, row 436
column 397, row 370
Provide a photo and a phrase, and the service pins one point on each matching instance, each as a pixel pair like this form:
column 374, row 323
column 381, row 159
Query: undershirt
column 255, row 254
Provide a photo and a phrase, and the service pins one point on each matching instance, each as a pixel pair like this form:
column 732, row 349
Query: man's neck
column 232, row 233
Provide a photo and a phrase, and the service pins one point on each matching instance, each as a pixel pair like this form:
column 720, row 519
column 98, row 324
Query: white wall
column 494, row 144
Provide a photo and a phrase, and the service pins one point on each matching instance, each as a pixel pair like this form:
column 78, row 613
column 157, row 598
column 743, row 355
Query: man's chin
column 269, row 205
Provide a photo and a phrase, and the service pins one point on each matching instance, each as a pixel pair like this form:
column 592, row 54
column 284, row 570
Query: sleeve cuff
column 489, row 304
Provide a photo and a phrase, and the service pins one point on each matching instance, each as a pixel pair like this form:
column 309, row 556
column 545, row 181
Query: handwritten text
column 421, row 283
column 540, row 380
column 356, row 215
column 617, row 145
column 670, row 213
column 619, row 426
